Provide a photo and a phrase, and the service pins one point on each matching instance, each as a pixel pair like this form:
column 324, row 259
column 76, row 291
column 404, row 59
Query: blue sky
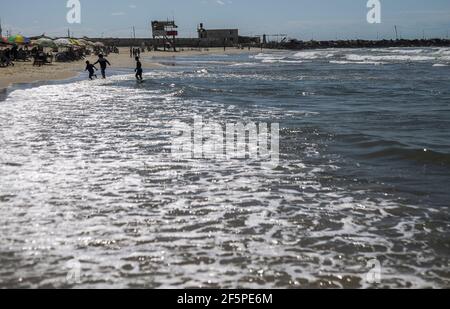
column 303, row 19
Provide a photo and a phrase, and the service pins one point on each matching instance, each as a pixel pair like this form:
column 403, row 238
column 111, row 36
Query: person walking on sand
column 138, row 70
column 103, row 64
column 90, row 68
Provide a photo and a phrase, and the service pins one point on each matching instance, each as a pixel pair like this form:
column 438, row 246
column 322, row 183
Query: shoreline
column 26, row 73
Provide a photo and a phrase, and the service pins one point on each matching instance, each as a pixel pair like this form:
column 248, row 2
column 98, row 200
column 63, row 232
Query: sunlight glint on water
column 86, row 174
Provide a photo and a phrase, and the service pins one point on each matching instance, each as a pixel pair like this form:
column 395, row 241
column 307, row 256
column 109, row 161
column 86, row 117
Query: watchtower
column 165, row 32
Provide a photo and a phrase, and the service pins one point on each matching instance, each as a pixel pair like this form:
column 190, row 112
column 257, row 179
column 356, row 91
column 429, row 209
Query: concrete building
column 226, row 36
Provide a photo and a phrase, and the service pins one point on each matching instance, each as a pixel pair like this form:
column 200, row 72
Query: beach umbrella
column 44, row 42
column 85, row 42
column 99, row 44
column 63, row 43
column 18, row 39
column 4, row 40
column 74, row 42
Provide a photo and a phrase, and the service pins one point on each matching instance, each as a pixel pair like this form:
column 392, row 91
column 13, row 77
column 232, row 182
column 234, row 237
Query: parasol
column 18, row 39
column 63, row 43
column 44, row 42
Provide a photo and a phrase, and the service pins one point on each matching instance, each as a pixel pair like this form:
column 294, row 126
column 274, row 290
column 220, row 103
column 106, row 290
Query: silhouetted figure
column 14, row 52
column 6, row 57
column 90, row 68
column 138, row 69
column 103, row 64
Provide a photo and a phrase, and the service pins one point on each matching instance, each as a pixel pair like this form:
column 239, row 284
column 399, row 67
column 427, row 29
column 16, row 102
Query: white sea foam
column 389, row 58
column 357, row 56
column 314, row 54
column 262, row 56
column 443, row 51
column 98, row 150
column 202, row 71
column 407, row 51
column 356, row 62
column 281, row 61
column 243, row 64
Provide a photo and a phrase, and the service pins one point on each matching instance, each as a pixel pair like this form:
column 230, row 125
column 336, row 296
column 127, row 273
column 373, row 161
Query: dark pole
column 174, row 46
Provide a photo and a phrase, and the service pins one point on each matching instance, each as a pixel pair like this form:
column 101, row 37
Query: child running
column 90, row 68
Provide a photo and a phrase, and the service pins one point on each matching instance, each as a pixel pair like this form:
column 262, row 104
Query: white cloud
column 118, row 13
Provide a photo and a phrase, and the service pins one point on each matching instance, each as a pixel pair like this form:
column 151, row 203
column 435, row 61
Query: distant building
column 227, row 36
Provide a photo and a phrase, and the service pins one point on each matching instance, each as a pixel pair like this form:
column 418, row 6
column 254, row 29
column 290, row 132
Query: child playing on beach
column 138, row 69
column 90, row 67
column 103, row 64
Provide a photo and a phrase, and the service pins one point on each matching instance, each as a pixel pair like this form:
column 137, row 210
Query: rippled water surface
column 87, row 179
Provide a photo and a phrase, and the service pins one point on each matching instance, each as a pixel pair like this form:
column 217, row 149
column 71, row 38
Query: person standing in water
column 138, row 70
column 90, row 67
column 103, row 64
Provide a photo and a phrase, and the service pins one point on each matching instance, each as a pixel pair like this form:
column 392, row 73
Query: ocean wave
column 281, row 61
column 313, row 54
column 443, row 51
column 262, row 56
column 395, row 50
column 373, row 147
column 356, row 62
column 100, row 152
column 390, row 58
column 202, row 71
column 407, row 51
column 419, row 155
column 358, row 56
column 243, row 64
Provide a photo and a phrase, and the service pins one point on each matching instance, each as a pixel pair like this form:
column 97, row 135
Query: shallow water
column 87, row 177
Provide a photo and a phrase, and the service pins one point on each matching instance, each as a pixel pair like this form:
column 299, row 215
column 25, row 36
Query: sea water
column 90, row 195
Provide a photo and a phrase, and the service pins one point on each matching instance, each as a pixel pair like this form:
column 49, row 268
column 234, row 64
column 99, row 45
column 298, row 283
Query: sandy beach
column 25, row 72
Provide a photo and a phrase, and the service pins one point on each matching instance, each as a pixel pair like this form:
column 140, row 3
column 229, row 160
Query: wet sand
column 25, row 72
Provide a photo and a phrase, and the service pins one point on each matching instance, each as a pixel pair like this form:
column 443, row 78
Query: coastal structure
column 225, row 36
column 165, row 33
